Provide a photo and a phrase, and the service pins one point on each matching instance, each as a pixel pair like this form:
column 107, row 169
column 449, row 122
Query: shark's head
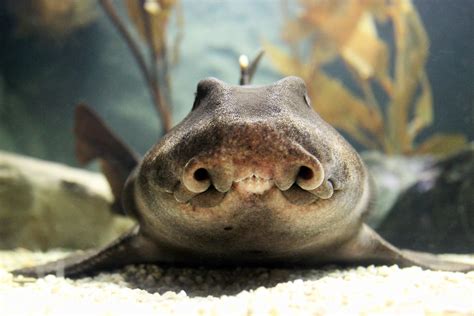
column 252, row 168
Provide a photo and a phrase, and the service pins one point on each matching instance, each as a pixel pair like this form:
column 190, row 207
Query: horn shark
column 252, row 176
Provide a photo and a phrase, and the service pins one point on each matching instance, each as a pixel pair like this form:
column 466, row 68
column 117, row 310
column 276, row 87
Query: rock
column 392, row 175
column 436, row 213
column 47, row 205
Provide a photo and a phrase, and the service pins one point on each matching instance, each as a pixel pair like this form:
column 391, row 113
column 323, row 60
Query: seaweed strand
column 160, row 105
column 149, row 39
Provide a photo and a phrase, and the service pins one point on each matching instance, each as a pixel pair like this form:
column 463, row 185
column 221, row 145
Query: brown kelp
column 389, row 101
column 150, row 19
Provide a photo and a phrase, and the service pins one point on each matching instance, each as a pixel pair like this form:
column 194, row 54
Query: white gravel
column 146, row 289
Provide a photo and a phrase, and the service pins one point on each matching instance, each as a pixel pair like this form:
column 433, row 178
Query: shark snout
column 206, row 180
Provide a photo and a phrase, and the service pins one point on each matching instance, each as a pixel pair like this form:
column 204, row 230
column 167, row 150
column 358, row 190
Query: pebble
column 147, row 289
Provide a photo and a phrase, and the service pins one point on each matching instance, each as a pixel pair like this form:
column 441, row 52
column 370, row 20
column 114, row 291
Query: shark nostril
column 305, row 173
column 310, row 175
column 285, row 177
column 196, row 178
column 201, row 174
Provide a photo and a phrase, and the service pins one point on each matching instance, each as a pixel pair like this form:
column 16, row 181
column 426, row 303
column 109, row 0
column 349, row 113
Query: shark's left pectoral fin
column 369, row 247
column 129, row 249
column 95, row 140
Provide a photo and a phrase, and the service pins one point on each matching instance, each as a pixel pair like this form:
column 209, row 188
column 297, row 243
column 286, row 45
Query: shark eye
column 307, row 100
column 195, row 105
column 196, row 101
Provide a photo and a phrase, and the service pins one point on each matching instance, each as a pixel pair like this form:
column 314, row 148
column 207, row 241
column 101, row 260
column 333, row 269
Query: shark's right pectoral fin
column 129, row 249
column 369, row 247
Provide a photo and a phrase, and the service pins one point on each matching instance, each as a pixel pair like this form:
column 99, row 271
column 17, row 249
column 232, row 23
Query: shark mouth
column 254, row 184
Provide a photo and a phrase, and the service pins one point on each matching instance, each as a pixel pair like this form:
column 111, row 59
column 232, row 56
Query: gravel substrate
column 146, row 289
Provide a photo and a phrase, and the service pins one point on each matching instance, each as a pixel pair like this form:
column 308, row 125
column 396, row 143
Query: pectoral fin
column 129, row 249
column 94, row 139
column 369, row 247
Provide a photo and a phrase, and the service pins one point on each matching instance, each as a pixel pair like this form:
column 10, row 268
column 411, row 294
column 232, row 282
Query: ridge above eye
column 205, row 87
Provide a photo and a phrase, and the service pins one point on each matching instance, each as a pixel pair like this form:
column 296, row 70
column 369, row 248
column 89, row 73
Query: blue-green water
column 41, row 80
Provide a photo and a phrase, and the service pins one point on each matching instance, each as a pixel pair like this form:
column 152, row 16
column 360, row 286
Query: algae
column 388, row 101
